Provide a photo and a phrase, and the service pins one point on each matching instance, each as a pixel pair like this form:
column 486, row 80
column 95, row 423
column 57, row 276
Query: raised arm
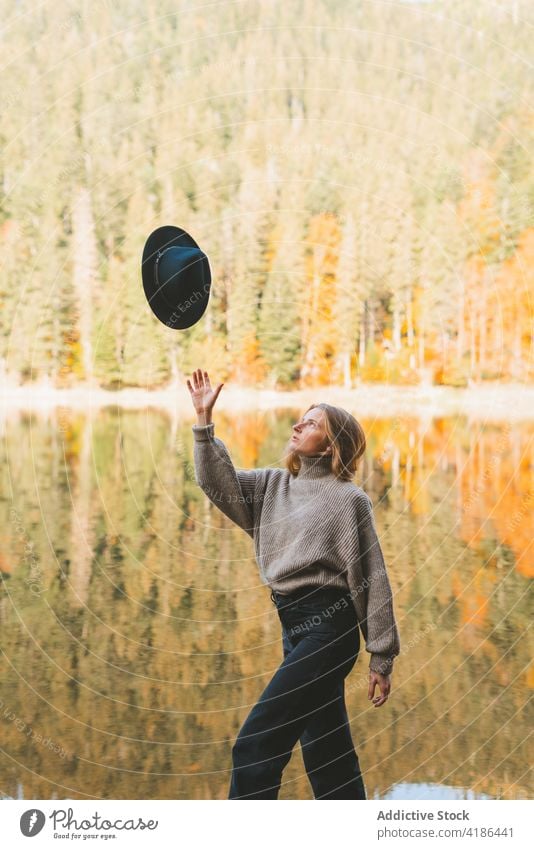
column 380, row 629
column 231, row 490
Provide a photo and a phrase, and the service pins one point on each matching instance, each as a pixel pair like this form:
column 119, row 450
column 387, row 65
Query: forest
column 359, row 174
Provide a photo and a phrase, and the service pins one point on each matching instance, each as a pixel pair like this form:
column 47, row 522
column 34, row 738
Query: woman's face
column 309, row 436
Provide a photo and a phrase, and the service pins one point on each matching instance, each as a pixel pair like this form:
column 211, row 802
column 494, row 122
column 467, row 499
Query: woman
column 317, row 549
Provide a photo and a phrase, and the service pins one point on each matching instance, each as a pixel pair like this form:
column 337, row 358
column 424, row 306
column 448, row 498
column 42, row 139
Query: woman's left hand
column 384, row 685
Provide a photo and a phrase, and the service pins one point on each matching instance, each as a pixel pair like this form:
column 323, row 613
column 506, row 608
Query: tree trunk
column 363, row 340
column 371, row 321
column 483, row 319
column 409, row 321
column 346, row 369
column 516, row 353
column 421, row 345
column 84, row 274
column 397, row 342
column 472, row 347
column 460, row 339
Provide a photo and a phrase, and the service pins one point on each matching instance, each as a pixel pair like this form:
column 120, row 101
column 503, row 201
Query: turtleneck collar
column 312, row 468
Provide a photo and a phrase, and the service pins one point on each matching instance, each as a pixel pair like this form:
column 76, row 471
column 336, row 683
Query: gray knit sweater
column 308, row 530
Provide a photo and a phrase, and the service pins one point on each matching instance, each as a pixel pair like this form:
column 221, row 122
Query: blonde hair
column 346, row 436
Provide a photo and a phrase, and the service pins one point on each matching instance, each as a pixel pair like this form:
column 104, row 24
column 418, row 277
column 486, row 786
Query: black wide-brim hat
column 176, row 277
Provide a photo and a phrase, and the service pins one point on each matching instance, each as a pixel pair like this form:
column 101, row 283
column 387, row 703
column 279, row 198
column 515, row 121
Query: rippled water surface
column 136, row 634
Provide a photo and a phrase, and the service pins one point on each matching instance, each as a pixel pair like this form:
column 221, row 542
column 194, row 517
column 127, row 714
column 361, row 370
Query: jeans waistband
column 310, row 593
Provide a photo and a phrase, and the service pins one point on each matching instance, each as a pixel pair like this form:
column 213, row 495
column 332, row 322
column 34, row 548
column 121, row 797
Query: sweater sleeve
column 232, row 491
column 381, row 633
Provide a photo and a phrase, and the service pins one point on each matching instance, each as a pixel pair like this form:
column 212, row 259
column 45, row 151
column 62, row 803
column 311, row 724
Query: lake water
column 136, row 634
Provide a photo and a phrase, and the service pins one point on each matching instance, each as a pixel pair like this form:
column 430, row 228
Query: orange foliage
column 5, row 564
column 496, row 496
column 474, row 599
column 319, row 329
column 478, row 208
column 250, row 367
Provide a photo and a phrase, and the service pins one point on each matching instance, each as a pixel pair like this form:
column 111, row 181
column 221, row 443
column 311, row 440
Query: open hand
column 383, row 682
column 202, row 395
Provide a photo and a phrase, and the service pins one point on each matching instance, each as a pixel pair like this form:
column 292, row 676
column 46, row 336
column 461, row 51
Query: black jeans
column 305, row 700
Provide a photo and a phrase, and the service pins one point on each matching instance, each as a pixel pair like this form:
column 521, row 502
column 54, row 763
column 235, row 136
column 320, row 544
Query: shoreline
column 492, row 402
